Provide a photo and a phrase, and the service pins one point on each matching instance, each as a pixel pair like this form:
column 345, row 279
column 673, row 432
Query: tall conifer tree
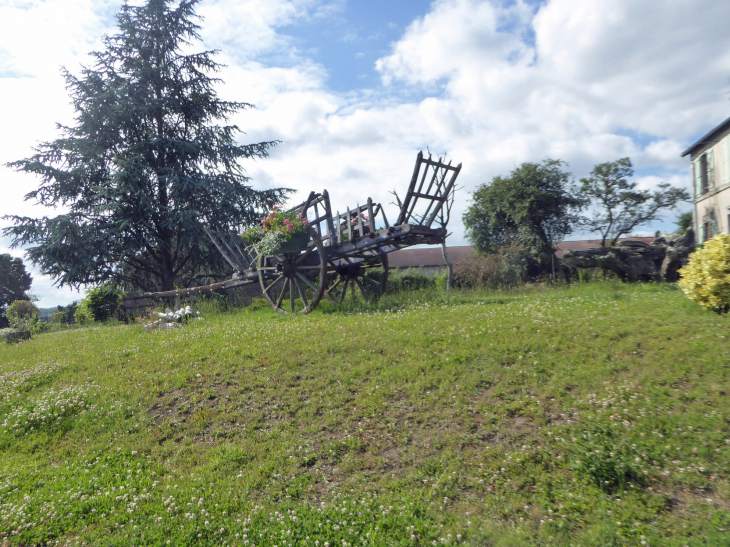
column 144, row 164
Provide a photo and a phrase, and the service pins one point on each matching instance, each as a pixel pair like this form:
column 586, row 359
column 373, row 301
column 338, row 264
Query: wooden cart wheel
column 296, row 281
column 354, row 277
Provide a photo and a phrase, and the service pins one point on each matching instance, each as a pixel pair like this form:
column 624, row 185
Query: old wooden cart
column 347, row 251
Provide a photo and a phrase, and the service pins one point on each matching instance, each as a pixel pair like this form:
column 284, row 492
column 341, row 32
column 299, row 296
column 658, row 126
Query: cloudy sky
column 355, row 88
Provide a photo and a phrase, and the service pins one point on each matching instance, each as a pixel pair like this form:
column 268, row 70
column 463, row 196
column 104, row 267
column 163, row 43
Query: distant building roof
column 710, row 138
column 415, row 258
column 432, row 257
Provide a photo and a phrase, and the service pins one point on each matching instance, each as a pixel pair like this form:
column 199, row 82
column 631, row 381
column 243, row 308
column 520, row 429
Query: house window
column 708, row 228
column 704, row 173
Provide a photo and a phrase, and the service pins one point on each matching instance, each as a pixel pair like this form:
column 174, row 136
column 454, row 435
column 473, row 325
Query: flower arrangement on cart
column 280, row 232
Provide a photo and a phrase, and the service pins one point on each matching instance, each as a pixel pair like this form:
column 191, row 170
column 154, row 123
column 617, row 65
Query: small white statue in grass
column 173, row 319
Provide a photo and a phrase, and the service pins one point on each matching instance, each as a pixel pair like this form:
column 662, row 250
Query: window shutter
column 713, row 228
column 698, row 177
column 710, row 169
column 702, row 233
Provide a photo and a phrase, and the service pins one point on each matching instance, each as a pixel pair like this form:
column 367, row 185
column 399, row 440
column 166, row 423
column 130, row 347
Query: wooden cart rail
column 133, row 304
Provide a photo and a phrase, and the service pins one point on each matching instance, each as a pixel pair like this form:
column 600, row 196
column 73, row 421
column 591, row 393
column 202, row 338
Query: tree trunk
column 449, row 266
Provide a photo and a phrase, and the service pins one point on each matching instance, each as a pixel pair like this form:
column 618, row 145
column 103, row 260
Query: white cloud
column 456, row 34
column 658, row 67
column 248, row 29
column 665, row 153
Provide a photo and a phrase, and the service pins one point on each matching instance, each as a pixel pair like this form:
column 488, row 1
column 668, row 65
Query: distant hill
column 47, row 313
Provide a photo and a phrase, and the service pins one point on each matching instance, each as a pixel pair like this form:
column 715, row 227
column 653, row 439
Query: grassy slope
column 589, row 415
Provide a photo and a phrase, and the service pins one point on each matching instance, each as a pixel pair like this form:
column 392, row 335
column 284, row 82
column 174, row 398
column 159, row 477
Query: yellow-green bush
column 83, row 315
column 24, row 315
column 706, row 279
column 22, row 309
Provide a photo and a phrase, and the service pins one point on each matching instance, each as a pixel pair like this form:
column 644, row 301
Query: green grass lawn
column 589, row 415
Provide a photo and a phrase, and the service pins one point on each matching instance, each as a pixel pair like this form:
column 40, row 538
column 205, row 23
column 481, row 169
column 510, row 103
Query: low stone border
column 14, row 337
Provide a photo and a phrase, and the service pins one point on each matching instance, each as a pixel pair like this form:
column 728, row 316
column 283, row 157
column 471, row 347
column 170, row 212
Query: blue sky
column 356, row 35
column 355, row 89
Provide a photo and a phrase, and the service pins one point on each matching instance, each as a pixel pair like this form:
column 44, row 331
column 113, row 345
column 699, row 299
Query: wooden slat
column 413, row 201
column 308, row 203
column 349, row 225
column 339, row 228
column 411, row 187
column 385, row 219
column 447, row 191
column 316, row 222
column 317, row 198
column 371, row 215
column 426, row 196
column 233, row 253
column 429, row 161
column 328, row 213
column 436, row 193
column 220, row 249
column 360, row 227
column 433, row 179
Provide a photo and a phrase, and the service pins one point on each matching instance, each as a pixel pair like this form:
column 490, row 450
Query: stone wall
column 659, row 260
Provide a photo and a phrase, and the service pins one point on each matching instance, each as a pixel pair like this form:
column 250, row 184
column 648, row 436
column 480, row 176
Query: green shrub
column 101, row 303
column 83, row 315
column 411, row 279
column 584, row 275
column 22, row 310
column 65, row 315
column 706, row 279
column 414, row 279
column 505, row 268
column 441, row 281
column 23, row 315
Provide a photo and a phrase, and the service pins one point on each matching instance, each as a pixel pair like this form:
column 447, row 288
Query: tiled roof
column 414, row 258
column 710, row 138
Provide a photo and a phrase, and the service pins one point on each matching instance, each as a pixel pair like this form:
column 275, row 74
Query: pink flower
column 288, row 228
column 304, row 222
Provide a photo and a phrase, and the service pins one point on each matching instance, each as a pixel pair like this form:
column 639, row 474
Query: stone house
column 710, row 158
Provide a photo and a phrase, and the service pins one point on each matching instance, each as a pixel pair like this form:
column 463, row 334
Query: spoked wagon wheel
column 294, row 283
column 352, row 277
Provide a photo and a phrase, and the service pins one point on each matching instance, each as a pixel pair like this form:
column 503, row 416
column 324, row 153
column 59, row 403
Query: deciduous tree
column 684, row 222
column 532, row 208
column 619, row 207
column 14, row 284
